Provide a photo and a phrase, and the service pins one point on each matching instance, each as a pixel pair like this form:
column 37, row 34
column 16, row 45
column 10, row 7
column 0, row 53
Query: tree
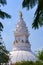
column 40, row 55
column 3, row 52
column 38, row 17
column 1, row 26
column 28, row 63
column 25, row 63
column 38, row 63
column 3, row 14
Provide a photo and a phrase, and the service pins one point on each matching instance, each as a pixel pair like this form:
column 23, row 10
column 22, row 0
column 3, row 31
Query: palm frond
column 3, row 2
column 29, row 3
column 38, row 18
column 4, row 15
column 1, row 26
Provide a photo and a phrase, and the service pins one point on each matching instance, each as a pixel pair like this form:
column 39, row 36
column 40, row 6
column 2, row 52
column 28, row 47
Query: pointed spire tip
column 20, row 14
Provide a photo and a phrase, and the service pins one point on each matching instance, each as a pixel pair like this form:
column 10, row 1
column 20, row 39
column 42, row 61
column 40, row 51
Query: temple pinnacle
column 20, row 14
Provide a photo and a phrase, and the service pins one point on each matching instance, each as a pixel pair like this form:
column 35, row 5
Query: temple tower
column 22, row 47
column 21, row 36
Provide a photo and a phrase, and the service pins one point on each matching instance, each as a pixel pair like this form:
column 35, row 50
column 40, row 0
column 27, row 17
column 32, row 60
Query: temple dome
column 18, row 56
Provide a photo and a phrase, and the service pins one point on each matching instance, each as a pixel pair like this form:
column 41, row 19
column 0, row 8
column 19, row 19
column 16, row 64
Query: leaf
column 3, row 2
column 29, row 3
column 4, row 15
column 38, row 16
column 1, row 26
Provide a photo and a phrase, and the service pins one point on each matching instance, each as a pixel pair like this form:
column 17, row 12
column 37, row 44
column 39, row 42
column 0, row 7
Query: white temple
column 22, row 47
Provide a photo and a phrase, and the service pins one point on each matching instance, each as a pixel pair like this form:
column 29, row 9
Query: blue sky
column 36, row 36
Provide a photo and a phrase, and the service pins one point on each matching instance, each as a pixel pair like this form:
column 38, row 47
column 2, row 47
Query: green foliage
column 18, row 63
column 38, row 17
column 1, row 26
column 4, row 15
column 29, row 3
column 38, row 21
column 40, row 55
column 4, row 58
column 3, row 54
column 25, row 63
column 3, row 2
column 38, row 63
column 28, row 63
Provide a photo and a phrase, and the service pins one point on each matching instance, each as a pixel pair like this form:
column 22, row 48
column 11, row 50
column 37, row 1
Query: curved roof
column 18, row 56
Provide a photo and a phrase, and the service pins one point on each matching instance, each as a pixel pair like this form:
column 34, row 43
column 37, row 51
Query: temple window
column 16, row 41
column 22, row 41
column 27, row 41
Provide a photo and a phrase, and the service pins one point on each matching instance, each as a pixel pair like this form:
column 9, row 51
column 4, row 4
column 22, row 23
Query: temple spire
column 20, row 14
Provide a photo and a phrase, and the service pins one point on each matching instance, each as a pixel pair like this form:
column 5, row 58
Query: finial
column 20, row 14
